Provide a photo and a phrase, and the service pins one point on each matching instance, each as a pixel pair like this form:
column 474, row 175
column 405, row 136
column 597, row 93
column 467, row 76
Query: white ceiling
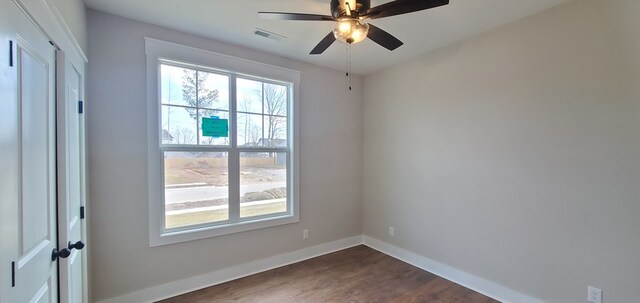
column 235, row 21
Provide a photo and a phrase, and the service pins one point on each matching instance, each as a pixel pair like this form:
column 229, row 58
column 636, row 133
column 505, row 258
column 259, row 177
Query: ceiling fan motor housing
column 337, row 10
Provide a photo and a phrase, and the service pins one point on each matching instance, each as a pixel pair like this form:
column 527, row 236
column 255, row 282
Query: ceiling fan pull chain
column 348, row 70
column 349, row 64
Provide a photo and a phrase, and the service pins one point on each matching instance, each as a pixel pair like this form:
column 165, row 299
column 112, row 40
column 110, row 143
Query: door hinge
column 81, row 212
column 80, row 107
column 13, row 274
column 10, row 53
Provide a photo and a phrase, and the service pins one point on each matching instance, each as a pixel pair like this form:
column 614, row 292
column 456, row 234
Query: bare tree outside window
column 202, row 101
column 275, row 107
column 250, row 131
column 254, row 133
column 244, row 106
column 195, row 93
column 184, row 136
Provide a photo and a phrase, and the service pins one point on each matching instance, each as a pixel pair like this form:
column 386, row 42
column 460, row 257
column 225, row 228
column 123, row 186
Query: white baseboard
column 483, row 286
column 194, row 283
column 475, row 283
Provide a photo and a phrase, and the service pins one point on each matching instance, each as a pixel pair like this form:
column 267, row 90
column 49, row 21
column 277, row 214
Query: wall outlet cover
column 594, row 295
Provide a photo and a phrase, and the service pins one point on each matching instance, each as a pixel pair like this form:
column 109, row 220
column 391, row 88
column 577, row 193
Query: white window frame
column 157, row 51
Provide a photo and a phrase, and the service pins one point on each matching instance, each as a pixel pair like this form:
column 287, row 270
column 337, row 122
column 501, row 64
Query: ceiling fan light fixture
column 351, row 30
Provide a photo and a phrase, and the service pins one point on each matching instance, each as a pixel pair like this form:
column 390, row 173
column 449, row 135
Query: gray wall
column 515, row 155
column 330, row 166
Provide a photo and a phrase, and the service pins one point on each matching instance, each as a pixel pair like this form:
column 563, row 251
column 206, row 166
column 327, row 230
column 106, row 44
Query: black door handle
column 62, row 254
column 78, row 245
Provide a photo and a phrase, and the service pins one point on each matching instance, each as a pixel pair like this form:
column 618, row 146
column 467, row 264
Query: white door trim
column 48, row 19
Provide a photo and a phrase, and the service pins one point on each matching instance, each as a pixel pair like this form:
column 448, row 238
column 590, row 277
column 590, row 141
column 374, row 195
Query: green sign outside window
column 215, row 127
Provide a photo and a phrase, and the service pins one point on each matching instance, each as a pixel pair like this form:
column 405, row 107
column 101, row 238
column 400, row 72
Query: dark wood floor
column 358, row 274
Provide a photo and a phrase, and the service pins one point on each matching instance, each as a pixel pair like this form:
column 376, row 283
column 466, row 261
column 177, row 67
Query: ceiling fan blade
column 383, row 38
column 294, row 16
column 324, row 44
column 400, row 7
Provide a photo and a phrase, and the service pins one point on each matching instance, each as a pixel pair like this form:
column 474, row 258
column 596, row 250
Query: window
column 222, row 149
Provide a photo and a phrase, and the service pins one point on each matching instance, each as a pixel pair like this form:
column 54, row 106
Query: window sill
column 178, row 236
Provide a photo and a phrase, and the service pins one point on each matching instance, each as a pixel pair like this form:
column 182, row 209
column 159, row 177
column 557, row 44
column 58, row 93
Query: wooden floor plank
column 354, row 275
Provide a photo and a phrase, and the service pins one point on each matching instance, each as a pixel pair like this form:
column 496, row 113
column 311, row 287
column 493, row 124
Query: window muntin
column 262, row 113
column 188, row 94
column 198, row 169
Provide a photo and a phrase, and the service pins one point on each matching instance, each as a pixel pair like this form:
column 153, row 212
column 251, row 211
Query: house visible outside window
column 224, row 146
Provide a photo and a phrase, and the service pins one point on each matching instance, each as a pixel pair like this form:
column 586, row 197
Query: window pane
column 196, row 188
column 173, row 81
column 178, row 125
column 275, row 99
column 249, row 130
column 263, row 183
column 249, row 96
column 275, row 131
column 213, row 91
column 207, row 140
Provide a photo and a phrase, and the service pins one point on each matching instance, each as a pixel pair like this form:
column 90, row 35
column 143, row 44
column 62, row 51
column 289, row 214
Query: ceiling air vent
column 269, row 35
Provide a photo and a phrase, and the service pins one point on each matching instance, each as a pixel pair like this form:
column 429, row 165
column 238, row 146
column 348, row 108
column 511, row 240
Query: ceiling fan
column 350, row 16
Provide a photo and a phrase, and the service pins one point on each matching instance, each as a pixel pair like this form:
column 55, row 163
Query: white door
column 28, row 160
column 71, row 180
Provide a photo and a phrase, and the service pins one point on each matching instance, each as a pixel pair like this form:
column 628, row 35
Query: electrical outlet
column 594, row 295
column 305, row 233
column 392, row 231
